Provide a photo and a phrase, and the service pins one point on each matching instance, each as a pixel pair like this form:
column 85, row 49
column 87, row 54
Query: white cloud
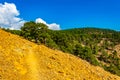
column 9, row 16
column 52, row 26
column 39, row 20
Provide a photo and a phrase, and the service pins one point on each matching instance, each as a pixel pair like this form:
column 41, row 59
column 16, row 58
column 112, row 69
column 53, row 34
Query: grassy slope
column 24, row 60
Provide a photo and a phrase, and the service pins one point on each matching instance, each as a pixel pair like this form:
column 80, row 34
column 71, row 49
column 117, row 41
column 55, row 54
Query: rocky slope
column 24, row 60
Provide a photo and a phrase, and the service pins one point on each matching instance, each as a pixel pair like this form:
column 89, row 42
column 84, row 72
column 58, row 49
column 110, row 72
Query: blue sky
column 71, row 13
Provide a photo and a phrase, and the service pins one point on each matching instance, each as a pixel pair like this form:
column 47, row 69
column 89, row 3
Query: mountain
column 21, row 59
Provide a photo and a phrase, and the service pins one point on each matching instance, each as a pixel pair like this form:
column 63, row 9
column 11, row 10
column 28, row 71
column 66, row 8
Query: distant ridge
column 94, row 28
column 23, row 60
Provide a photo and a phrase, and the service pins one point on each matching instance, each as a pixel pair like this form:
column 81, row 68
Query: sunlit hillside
column 23, row 60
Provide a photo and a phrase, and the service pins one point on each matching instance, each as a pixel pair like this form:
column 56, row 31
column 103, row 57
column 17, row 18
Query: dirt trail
column 32, row 62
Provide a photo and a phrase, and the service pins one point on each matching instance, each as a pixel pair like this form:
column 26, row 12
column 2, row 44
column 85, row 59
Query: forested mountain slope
column 99, row 47
column 24, row 60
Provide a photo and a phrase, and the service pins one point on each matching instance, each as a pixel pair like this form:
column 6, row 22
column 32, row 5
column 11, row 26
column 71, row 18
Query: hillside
column 24, row 60
column 100, row 47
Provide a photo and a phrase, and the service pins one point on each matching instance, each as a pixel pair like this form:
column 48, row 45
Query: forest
column 97, row 46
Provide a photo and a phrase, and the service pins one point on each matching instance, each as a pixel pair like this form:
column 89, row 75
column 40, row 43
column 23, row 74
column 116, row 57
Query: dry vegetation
column 24, row 60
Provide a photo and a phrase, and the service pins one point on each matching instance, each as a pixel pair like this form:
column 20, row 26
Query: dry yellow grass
column 24, row 60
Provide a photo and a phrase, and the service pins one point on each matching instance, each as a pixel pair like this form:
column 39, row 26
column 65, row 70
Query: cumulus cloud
column 52, row 26
column 39, row 20
column 9, row 16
